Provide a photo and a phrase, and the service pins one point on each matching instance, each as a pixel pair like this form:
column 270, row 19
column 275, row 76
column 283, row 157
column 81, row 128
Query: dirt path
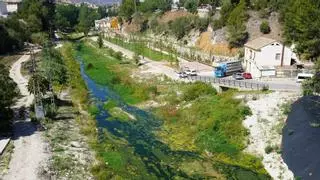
column 29, row 148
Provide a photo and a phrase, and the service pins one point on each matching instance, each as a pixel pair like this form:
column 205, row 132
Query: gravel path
column 264, row 126
column 29, row 148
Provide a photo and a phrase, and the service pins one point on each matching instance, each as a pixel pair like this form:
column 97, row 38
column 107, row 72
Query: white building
column 107, row 24
column 12, row 5
column 263, row 55
column 102, row 24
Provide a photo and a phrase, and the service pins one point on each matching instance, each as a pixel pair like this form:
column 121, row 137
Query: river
column 301, row 138
column 160, row 161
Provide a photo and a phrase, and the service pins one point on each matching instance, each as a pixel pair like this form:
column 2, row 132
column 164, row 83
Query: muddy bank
column 301, row 138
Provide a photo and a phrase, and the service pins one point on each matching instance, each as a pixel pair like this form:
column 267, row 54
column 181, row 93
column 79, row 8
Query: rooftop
column 259, row 43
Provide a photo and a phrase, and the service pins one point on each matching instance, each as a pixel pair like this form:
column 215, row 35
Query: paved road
column 160, row 67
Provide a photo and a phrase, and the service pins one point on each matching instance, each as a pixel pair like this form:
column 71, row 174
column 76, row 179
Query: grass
column 5, row 158
column 142, row 49
column 107, row 70
column 208, row 122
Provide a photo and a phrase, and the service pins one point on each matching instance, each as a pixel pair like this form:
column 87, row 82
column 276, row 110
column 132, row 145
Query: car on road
column 303, row 76
column 247, row 75
column 237, row 76
column 191, row 72
column 182, row 75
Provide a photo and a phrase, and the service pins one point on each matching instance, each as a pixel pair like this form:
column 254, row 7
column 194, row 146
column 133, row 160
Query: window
column 278, row 56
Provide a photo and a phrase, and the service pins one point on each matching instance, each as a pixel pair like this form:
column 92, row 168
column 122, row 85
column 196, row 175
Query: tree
column 127, row 9
column 100, row 41
column 66, row 17
column 237, row 34
column 136, row 58
column 53, row 65
column 42, row 83
column 8, row 92
column 84, row 20
column 39, row 15
column 313, row 85
column 102, row 11
column 264, row 27
column 191, row 5
column 301, row 26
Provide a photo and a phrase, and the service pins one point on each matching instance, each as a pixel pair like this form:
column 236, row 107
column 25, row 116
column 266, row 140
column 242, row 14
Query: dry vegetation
column 205, row 44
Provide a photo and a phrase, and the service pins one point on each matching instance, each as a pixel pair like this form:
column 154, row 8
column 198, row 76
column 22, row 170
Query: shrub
column 39, row 38
column 217, row 24
column 246, row 111
column 265, row 88
column 264, row 27
column 109, row 105
column 118, row 55
column 268, row 149
column 51, row 111
column 197, row 89
column 90, row 66
column 191, row 5
column 286, row 108
column 93, row 110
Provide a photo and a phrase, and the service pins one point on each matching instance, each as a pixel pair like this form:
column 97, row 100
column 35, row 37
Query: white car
column 303, row 76
column 191, row 72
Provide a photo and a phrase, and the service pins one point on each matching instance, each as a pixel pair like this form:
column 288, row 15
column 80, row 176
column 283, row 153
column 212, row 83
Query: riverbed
column 150, row 157
column 301, row 138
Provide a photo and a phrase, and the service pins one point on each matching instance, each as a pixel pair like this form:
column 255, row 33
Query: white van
column 303, row 76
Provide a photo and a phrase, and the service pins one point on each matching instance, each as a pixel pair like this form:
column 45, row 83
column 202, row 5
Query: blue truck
column 223, row 69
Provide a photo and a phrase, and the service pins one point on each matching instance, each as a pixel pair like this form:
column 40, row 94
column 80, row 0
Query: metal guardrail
column 231, row 83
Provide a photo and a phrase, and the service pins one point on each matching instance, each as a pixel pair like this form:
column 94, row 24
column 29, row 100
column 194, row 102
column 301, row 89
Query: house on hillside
column 262, row 56
column 107, row 24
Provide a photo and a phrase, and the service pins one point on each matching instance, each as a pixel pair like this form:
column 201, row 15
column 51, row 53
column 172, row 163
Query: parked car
column 303, row 76
column 182, row 74
column 193, row 73
column 187, row 71
column 247, row 75
column 237, row 76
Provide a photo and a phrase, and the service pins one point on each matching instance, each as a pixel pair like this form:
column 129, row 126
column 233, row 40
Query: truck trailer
column 227, row 68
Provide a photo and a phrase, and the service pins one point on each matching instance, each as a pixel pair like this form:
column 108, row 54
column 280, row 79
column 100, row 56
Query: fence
column 230, row 83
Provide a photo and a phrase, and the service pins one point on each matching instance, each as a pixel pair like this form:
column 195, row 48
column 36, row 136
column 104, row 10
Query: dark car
column 247, row 75
column 237, row 76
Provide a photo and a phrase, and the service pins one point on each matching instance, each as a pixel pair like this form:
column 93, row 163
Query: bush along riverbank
column 191, row 132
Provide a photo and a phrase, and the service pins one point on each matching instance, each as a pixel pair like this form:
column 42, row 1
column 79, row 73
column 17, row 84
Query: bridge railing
column 231, row 83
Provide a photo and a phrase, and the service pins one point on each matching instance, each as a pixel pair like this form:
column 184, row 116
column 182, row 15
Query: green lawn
column 107, row 70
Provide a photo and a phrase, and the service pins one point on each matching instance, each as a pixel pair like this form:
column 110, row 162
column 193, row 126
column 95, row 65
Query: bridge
column 230, row 83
